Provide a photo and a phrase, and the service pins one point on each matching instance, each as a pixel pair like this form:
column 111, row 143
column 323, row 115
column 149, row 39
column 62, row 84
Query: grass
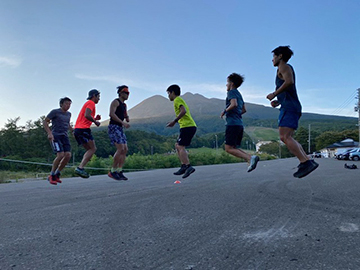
column 262, row 133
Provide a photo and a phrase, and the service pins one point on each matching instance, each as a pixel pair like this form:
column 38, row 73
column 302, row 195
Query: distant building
column 338, row 148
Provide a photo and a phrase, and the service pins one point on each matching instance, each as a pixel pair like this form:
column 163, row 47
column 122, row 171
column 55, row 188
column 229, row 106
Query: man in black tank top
column 290, row 110
column 119, row 119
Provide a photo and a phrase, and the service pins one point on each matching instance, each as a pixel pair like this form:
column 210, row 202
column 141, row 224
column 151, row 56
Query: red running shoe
column 57, row 178
column 52, row 179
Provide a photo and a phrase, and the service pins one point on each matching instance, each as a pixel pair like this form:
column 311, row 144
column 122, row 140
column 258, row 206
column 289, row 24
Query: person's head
column 123, row 92
column 173, row 91
column 94, row 95
column 234, row 81
column 65, row 103
column 283, row 53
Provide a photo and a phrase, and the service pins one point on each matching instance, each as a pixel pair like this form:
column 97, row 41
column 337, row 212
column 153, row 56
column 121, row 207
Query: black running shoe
column 189, row 170
column 122, row 176
column 305, row 168
column 182, row 170
column 114, row 175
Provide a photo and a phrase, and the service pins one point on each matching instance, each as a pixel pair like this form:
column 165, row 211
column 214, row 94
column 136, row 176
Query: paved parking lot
column 219, row 218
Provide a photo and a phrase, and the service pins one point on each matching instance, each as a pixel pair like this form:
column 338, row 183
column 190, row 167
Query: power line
column 345, row 104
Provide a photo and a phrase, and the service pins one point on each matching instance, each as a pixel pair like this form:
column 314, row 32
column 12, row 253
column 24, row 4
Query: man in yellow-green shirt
column 187, row 129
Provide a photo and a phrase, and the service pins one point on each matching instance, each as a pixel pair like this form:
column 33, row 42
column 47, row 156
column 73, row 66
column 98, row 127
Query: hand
column 97, row 123
column 127, row 119
column 274, row 103
column 98, row 117
column 126, row 125
column 171, row 124
column 222, row 114
column 271, row 96
column 51, row 137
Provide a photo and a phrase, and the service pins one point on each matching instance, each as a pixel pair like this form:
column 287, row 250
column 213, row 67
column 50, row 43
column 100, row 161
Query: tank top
column 288, row 99
column 120, row 112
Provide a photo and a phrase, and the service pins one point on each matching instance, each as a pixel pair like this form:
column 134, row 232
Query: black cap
column 92, row 93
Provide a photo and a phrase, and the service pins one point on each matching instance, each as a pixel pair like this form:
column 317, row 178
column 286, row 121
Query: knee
column 67, row 155
column 283, row 138
column 60, row 155
column 227, row 148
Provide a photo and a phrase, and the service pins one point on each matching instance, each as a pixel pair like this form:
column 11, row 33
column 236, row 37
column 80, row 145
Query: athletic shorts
column 186, row 135
column 234, row 135
column 289, row 119
column 116, row 134
column 83, row 135
column 60, row 144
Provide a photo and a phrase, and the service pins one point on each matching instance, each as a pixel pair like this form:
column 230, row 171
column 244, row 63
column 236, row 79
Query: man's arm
column 287, row 75
column 243, row 109
column 181, row 114
column 233, row 105
column 90, row 118
column 46, row 123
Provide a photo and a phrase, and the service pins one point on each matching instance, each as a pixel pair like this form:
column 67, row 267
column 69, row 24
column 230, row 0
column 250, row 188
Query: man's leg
column 120, row 155
column 64, row 161
column 237, row 152
column 286, row 136
column 57, row 161
column 90, row 151
column 183, row 156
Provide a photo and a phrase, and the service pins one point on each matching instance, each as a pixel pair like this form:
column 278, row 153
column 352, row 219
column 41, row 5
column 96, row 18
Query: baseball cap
column 92, row 93
column 123, row 88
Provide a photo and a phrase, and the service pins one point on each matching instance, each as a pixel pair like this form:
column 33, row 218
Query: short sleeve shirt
column 233, row 117
column 81, row 121
column 186, row 120
column 60, row 121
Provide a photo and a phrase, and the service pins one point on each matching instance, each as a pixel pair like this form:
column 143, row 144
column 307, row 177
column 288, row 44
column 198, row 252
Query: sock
column 52, row 173
column 113, row 169
column 80, row 168
column 57, row 172
column 119, row 169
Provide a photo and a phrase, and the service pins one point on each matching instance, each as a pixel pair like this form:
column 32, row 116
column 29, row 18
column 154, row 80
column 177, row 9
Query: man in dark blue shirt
column 290, row 110
column 235, row 108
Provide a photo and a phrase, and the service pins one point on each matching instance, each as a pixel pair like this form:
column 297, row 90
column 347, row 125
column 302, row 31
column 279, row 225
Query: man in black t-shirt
column 118, row 113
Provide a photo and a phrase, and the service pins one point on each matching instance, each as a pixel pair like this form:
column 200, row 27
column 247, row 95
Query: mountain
column 154, row 113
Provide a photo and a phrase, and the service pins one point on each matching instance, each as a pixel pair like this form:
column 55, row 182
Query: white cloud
column 11, row 61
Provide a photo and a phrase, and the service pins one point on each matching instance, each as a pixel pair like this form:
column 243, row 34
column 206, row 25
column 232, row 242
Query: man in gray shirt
column 58, row 137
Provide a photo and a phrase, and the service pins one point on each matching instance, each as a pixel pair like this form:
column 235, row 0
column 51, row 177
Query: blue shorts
column 83, row 135
column 234, row 135
column 60, row 144
column 116, row 134
column 289, row 119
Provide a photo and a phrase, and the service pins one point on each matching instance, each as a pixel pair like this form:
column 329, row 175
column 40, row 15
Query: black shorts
column 60, row 144
column 83, row 135
column 234, row 135
column 186, row 135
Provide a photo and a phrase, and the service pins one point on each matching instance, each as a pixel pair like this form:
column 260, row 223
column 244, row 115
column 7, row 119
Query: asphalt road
column 221, row 217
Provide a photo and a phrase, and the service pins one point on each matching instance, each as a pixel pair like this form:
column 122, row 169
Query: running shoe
column 122, row 176
column 82, row 173
column 51, row 179
column 253, row 162
column 182, row 170
column 57, row 178
column 305, row 168
column 189, row 170
column 114, row 175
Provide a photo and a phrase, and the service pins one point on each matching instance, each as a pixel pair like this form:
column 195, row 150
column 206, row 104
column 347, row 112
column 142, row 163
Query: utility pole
column 309, row 145
column 357, row 109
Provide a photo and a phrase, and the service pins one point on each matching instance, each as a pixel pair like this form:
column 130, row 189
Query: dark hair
column 285, row 51
column 121, row 87
column 174, row 88
column 62, row 100
column 236, row 79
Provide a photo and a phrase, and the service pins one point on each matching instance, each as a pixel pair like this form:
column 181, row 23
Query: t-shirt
column 60, row 121
column 233, row 117
column 82, row 121
column 120, row 112
column 186, row 120
column 288, row 99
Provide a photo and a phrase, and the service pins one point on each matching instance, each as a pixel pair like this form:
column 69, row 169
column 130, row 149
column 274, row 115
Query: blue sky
column 52, row 49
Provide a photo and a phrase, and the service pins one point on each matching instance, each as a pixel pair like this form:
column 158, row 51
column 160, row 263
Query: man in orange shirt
column 82, row 131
